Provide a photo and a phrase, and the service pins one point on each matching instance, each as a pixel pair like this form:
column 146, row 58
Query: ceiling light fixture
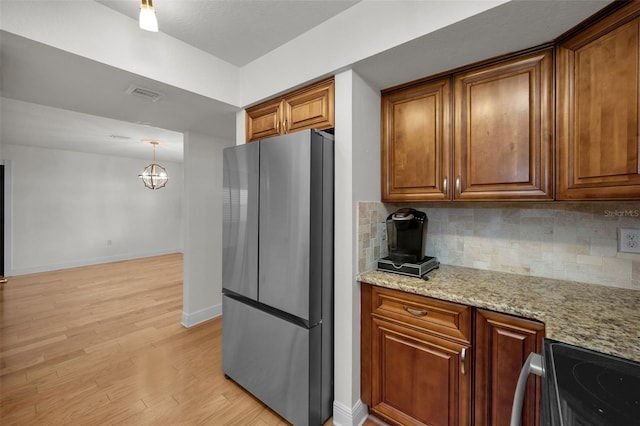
column 148, row 20
column 154, row 175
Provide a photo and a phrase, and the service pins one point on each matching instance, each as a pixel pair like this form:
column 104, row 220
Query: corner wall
column 357, row 135
column 202, row 211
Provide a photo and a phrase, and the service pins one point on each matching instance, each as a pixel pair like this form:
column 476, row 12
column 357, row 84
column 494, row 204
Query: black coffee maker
column 407, row 235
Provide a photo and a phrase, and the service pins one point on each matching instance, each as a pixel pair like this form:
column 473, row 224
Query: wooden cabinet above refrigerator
column 309, row 107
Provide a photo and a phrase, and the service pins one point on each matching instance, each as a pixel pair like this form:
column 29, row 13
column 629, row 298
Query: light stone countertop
column 605, row 319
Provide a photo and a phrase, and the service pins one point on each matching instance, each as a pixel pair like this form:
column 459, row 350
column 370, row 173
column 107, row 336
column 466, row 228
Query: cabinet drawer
column 435, row 316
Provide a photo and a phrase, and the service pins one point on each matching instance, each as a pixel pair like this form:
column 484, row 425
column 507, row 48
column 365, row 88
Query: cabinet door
column 503, row 140
column 313, row 108
column 598, row 115
column 503, row 343
column 264, row 121
column 417, row 378
column 416, row 143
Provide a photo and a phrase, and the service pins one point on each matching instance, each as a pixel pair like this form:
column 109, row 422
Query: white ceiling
column 26, row 123
column 65, row 104
column 71, row 84
column 84, row 92
column 510, row 27
column 236, row 31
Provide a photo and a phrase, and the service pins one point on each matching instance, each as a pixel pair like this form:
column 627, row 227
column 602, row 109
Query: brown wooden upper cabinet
column 416, row 143
column 503, row 130
column 309, row 107
column 598, row 119
column 497, row 144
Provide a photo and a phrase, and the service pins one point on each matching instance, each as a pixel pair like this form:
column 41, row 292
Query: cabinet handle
column 463, row 358
column 277, row 126
column 284, row 127
column 458, row 184
column 444, row 185
column 418, row 312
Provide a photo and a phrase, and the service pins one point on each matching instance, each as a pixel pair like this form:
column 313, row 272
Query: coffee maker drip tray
column 417, row 269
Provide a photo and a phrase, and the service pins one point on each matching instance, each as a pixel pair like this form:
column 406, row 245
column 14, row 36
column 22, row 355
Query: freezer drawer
column 279, row 362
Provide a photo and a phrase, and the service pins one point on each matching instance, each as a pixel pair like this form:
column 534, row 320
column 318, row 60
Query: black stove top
column 589, row 388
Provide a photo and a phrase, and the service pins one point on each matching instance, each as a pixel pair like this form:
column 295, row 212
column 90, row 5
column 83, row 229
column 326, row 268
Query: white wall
column 366, row 141
column 357, row 134
column 202, row 291
column 344, row 405
column 66, row 206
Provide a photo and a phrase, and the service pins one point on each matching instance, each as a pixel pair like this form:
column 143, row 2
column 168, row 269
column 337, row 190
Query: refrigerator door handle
column 533, row 364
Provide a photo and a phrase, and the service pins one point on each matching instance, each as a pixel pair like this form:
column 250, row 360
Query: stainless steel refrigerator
column 277, row 308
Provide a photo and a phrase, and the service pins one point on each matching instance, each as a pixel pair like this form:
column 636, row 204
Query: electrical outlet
column 628, row 240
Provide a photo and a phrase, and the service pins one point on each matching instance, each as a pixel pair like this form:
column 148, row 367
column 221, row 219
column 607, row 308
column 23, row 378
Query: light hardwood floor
column 104, row 345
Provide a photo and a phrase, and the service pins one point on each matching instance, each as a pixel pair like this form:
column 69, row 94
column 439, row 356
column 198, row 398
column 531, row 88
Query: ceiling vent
column 119, row 137
column 141, row 92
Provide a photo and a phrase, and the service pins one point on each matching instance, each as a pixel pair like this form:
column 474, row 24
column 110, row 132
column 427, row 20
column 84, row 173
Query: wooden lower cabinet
column 419, row 367
column 418, row 378
column 413, row 371
column 502, row 345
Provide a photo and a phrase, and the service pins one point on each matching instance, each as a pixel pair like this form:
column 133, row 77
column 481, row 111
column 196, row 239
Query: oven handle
column 534, row 365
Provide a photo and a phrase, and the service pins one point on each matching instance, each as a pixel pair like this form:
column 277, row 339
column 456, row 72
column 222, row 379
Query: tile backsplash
column 574, row 241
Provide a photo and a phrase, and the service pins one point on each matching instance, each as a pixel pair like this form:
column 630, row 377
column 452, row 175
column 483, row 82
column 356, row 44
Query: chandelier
column 154, row 175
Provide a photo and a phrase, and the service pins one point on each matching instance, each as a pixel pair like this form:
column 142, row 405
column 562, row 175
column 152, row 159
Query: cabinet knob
column 277, row 126
column 417, row 312
column 463, row 358
column 444, row 185
column 458, row 184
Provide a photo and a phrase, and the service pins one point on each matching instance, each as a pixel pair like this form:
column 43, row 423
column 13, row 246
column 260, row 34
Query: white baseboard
column 10, row 272
column 345, row 416
column 195, row 318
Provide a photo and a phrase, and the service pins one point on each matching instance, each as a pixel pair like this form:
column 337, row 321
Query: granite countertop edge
column 601, row 318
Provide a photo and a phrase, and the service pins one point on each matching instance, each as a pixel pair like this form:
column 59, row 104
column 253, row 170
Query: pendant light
column 148, row 20
column 154, row 175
